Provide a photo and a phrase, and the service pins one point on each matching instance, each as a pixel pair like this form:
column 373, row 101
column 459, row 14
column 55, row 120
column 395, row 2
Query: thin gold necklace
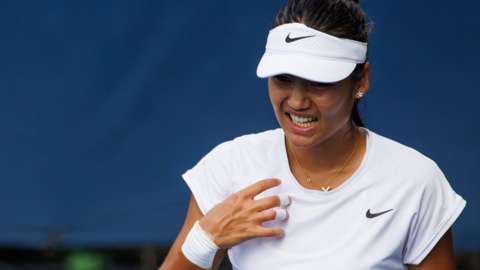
column 327, row 188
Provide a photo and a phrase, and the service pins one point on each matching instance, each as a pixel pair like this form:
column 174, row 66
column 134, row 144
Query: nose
column 298, row 99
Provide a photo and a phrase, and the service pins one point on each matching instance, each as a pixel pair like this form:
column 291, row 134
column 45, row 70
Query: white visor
column 299, row 50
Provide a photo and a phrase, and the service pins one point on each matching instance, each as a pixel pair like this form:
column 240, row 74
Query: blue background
column 104, row 104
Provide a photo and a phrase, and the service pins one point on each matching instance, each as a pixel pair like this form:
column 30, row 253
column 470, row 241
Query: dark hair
column 340, row 18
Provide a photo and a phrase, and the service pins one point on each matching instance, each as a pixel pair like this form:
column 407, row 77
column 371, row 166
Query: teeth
column 303, row 121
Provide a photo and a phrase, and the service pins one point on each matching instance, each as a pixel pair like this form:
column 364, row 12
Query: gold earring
column 359, row 94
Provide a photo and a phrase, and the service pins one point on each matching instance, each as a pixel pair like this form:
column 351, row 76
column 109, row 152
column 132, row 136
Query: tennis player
column 322, row 191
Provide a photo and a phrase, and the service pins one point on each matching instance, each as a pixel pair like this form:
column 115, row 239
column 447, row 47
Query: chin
column 300, row 134
column 301, row 141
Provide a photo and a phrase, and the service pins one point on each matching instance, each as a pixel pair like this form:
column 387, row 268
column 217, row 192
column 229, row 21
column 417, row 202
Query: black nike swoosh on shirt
column 288, row 39
column 372, row 215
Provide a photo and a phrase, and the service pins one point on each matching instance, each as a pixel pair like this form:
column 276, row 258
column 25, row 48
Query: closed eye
column 321, row 84
column 283, row 78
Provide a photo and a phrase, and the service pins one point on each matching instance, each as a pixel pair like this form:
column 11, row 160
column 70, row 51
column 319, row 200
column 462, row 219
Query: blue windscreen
column 104, row 104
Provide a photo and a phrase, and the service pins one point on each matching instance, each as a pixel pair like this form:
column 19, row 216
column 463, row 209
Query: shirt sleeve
column 209, row 180
column 437, row 210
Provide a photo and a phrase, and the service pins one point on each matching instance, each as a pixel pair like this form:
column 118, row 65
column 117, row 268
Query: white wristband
column 199, row 248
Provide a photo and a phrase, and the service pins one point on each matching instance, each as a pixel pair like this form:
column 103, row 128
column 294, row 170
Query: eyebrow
column 322, row 83
column 293, row 77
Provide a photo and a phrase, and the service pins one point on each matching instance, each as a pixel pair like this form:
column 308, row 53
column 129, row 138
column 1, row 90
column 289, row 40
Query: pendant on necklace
column 325, row 189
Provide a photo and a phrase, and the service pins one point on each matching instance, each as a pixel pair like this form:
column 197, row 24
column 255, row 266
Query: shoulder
column 402, row 160
column 259, row 139
column 251, row 144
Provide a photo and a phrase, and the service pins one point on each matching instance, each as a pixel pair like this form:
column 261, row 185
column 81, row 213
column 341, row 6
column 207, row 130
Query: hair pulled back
column 340, row 18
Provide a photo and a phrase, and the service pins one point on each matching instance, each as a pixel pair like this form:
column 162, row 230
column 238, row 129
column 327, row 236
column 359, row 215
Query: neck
column 329, row 154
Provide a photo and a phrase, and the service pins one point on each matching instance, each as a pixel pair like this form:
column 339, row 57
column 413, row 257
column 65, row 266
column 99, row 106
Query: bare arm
column 441, row 257
column 238, row 218
column 175, row 258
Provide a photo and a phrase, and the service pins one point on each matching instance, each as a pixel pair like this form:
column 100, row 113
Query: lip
column 300, row 114
column 299, row 130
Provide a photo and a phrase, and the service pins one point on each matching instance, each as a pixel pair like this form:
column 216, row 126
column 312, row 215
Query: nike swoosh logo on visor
column 288, row 39
column 372, row 215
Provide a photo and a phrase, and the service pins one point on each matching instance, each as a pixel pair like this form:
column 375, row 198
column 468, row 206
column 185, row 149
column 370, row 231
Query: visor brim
column 304, row 66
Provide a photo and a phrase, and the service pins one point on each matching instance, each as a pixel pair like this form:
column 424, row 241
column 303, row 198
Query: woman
column 322, row 191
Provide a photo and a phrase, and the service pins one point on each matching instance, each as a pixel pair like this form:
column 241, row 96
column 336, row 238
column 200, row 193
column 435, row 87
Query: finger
column 281, row 214
column 281, row 200
column 264, row 216
column 269, row 232
column 285, row 200
column 260, row 186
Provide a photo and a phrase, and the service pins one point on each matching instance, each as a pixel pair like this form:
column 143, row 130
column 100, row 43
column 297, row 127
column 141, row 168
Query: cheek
column 276, row 98
column 334, row 106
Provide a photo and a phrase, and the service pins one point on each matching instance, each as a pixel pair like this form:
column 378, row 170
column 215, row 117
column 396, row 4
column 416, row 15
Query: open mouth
column 301, row 120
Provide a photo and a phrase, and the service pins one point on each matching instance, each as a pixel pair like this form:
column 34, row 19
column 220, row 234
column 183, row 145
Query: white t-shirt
column 331, row 230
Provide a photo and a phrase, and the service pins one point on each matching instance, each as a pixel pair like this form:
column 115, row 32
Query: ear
column 364, row 82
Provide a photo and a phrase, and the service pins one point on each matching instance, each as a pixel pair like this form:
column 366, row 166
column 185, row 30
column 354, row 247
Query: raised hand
column 240, row 217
